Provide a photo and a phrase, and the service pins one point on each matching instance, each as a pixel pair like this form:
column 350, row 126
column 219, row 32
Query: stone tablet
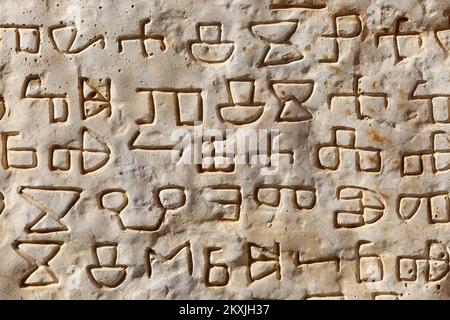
column 229, row 149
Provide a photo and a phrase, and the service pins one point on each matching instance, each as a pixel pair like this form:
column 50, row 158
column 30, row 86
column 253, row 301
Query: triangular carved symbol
column 94, row 97
column 53, row 202
column 292, row 94
column 38, row 253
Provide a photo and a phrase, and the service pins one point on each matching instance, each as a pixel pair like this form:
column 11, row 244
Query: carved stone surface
column 273, row 149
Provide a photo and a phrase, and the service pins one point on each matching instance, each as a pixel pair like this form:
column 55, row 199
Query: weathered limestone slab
column 276, row 149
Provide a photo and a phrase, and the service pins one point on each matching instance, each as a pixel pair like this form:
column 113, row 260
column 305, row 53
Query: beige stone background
column 392, row 257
